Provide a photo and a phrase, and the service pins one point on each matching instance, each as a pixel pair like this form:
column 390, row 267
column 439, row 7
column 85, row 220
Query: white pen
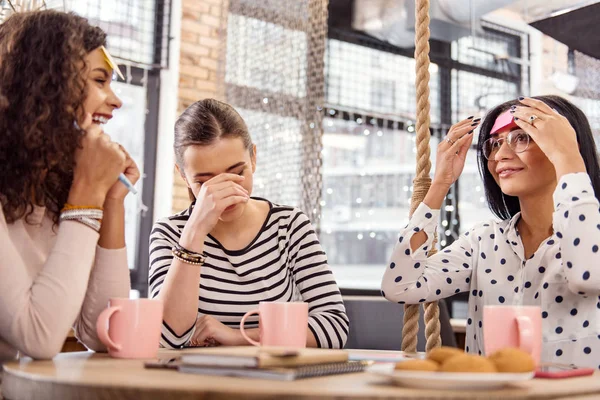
column 127, row 184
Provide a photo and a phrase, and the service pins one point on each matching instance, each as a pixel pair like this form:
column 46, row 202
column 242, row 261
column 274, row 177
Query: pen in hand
column 122, row 176
column 127, row 184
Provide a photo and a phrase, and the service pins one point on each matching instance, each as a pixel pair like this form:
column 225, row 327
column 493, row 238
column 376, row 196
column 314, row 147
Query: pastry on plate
column 512, row 360
column 468, row 363
column 441, row 354
column 417, row 365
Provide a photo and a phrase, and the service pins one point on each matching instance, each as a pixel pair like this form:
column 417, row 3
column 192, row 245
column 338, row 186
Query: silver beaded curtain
column 272, row 72
column 587, row 93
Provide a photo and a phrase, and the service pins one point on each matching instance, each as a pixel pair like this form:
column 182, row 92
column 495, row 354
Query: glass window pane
column 367, row 186
column 127, row 128
column 129, row 24
column 361, row 78
column 472, row 205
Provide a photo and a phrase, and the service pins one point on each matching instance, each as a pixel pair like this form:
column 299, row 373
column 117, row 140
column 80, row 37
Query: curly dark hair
column 42, row 90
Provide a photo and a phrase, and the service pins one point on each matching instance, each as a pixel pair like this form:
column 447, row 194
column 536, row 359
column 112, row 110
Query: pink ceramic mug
column 513, row 326
column 130, row 328
column 279, row 324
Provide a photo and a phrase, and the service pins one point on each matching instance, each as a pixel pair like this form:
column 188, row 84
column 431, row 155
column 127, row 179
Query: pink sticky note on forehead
column 504, row 120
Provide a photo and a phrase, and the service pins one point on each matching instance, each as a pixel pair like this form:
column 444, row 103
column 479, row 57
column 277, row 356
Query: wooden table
column 72, row 344
column 90, row 376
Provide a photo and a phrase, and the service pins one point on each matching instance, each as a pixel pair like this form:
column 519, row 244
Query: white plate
column 454, row 380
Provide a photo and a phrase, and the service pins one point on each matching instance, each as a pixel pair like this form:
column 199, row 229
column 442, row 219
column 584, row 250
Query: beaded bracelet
column 188, row 256
column 187, row 261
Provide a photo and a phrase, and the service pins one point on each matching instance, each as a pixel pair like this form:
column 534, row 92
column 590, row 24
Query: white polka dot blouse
column 562, row 276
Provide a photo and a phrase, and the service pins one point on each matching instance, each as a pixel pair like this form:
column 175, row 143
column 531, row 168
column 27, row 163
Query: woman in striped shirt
column 255, row 250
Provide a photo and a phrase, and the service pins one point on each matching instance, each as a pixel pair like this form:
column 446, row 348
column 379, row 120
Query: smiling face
column 101, row 101
column 521, row 174
column 225, row 155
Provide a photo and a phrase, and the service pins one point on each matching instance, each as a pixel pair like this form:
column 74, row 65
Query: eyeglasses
column 518, row 142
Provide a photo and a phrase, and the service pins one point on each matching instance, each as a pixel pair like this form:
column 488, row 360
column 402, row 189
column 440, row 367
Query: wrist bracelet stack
column 88, row 216
column 188, row 256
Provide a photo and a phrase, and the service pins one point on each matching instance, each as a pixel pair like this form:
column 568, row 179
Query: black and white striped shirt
column 284, row 262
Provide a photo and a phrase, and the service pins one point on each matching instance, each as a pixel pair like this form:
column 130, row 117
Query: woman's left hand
column 551, row 131
column 210, row 332
column 119, row 191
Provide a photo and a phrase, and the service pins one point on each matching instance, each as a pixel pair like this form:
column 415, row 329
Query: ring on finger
column 532, row 119
column 450, row 141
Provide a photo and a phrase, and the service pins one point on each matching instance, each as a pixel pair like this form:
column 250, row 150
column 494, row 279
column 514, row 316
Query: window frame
column 440, row 54
column 162, row 39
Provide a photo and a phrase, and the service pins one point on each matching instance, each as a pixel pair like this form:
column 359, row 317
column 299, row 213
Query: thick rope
column 410, row 329
column 422, row 181
column 432, row 326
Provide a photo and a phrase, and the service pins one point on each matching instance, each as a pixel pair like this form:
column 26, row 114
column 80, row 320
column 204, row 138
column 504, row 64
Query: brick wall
column 198, row 64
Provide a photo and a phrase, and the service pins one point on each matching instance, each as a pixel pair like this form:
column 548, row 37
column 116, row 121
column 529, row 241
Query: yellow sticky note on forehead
column 111, row 62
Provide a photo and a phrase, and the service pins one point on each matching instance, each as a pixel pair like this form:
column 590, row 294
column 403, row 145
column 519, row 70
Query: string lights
column 369, row 166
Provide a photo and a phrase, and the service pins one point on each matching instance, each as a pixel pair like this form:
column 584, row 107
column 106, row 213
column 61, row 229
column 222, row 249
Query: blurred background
column 328, row 91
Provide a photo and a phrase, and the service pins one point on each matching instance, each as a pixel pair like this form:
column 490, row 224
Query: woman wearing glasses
column 538, row 161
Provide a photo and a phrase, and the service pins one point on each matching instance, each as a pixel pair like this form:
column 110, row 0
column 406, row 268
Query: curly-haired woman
column 62, row 240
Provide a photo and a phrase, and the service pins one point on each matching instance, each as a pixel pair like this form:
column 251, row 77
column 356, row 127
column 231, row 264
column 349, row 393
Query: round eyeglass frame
column 509, row 139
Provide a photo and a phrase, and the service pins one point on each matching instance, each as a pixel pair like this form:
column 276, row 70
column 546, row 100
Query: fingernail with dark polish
column 475, row 124
column 477, row 120
column 469, row 132
column 512, row 111
column 513, row 107
column 521, row 98
column 516, row 119
column 471, row 117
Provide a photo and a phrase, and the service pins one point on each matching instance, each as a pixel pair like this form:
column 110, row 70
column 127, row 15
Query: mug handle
column 102, row 328
column 249, row 313
column 525, row 328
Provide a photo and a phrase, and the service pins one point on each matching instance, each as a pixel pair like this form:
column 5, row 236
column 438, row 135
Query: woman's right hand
column 452, row 153
column 98, row 164
column 215, row 195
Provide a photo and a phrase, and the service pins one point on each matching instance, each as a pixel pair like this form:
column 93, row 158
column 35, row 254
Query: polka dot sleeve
column 576, row 223
column 412, row 277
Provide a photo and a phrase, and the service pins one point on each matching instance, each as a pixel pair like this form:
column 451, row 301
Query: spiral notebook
column 260, row 357
column 280, row 374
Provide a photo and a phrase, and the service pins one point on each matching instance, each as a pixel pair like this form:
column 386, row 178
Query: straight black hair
column 504, row 206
